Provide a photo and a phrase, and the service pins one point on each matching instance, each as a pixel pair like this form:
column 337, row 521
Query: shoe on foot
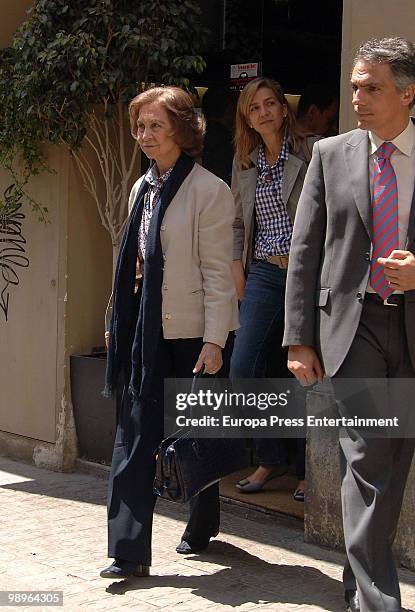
column 299, row 495
column 247, row 486
column 124, row 569
column 186, row 548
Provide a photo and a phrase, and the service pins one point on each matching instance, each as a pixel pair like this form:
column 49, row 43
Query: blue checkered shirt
column 274, row 227
column 156, row 184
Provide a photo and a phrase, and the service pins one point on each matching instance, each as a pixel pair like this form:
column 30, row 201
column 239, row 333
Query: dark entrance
column 298, row 42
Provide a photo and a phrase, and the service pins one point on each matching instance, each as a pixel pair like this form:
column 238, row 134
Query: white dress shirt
column 403, row 163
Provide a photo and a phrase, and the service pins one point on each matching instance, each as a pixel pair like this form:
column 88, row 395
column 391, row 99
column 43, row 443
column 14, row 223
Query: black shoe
column 351, row 598
column 299, row 495
column 125, row 569
column 186, row 548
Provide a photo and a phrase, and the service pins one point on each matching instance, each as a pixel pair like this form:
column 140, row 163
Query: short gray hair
column 395, row 51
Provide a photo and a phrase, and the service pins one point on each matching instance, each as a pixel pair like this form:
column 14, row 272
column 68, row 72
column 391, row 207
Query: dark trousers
column 374, row 470
column 139, row 432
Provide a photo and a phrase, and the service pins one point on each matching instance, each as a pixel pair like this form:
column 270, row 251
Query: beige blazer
column 198, row 290
column 243, row 190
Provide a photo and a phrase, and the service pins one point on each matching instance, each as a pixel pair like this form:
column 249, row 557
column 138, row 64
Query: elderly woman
column 267, row 179
column 174, row 304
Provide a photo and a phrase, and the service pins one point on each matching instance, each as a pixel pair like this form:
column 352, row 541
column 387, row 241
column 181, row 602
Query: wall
column 28, row 349
column 13, row 13
column 57, row 307
column 364, row 20
column 89, row 269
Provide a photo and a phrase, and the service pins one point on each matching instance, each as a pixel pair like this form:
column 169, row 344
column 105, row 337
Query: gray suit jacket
column 330, row 252
column 243, row 190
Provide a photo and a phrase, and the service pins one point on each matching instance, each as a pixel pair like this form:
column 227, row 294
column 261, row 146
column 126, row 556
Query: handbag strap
column 179, row 433
column 196, row 378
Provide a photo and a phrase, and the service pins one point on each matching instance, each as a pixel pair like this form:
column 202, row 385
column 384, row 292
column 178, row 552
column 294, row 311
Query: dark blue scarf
column 138, row 338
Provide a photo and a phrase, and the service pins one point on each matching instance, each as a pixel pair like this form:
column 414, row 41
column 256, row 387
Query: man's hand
column 211, row 357
column 107, row 339
column 399, row 270
column 305, row 365
column 239, row 278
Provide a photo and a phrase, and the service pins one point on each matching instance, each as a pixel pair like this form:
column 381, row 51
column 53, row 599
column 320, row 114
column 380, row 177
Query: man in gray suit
column 350, row 299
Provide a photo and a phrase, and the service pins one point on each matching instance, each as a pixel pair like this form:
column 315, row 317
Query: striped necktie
column 385, row 217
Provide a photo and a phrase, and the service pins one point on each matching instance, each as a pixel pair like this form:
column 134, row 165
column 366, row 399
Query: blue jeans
column 262, row 310
column 261, row 314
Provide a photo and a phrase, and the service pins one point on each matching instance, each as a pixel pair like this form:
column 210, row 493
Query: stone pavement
column 53, row 537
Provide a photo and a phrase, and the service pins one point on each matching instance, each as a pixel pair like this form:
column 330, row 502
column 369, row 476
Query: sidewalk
column 53, row 537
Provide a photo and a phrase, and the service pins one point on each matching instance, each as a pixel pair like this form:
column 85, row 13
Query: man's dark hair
column 322, row 96
column 398, row 52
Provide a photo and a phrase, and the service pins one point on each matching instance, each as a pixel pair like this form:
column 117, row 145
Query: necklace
column 272, row 159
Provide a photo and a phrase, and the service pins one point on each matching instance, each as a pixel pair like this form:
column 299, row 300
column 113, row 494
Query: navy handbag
column 186, row 465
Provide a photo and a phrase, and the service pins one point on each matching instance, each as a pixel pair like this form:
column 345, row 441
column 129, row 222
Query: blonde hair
column 189, row 128
column 246, row 138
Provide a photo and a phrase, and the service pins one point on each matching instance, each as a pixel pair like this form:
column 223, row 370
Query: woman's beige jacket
column 198, row 290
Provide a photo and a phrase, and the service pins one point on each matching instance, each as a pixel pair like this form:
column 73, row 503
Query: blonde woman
column 267, row 178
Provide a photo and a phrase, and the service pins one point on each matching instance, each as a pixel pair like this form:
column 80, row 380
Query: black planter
column 95, row 416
